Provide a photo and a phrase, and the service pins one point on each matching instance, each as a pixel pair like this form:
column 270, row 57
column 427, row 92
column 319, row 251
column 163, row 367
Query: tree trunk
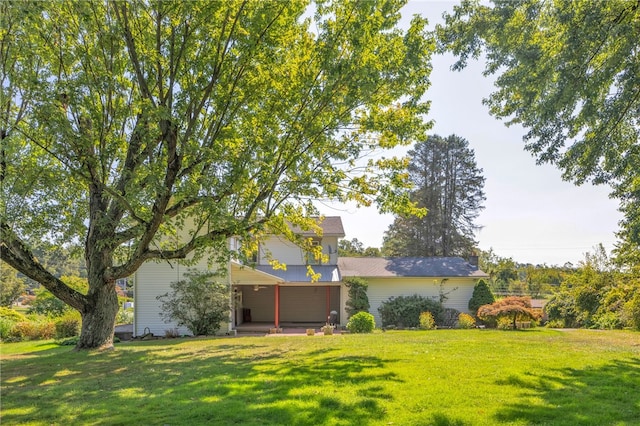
column 99, row 318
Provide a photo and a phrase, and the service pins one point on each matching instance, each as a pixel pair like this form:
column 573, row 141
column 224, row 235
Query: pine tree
column 449, row 184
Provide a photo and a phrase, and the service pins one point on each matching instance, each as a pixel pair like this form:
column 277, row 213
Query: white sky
column 530, row 214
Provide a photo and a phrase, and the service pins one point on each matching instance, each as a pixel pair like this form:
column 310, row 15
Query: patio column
column 277, row 319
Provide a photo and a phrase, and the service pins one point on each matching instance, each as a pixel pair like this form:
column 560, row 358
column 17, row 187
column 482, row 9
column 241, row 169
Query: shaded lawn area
column 444, row 377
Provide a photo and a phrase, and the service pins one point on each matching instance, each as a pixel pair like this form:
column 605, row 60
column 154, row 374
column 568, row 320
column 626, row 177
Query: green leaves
column 568, row 72
column 131, row 123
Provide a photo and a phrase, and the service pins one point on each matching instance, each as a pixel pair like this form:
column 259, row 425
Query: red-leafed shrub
column 515, row 308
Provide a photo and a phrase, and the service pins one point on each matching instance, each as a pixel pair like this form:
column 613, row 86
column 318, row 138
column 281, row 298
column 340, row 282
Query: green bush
column 481, row 296
column 358, row 300
column 607, row 321
column 362, row 322
column 68, row 325
column 6, row 326
column 11, row 315
column 8, row 319
column 632, row 312
column 124, row 316
column 404, row 311
column 198, row 302
column 466, row 321
column 426, row 321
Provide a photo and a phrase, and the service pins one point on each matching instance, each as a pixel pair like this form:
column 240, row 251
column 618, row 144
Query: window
column 311, row 257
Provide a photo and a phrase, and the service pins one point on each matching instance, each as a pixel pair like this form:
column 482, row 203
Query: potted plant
column 327, row 329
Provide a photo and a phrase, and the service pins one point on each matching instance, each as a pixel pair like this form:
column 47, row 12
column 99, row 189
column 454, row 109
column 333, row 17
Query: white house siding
column 286, row 252
column 457, row 290
column 153, row 279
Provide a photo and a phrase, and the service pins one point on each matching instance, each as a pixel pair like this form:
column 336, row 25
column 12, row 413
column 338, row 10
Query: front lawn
column 445, row 377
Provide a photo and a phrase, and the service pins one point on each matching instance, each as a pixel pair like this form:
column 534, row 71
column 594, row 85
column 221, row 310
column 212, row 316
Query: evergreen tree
column 481, row 296
column 449, row 184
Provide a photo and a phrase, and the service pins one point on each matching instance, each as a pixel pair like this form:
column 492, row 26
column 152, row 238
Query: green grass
column 446, row 377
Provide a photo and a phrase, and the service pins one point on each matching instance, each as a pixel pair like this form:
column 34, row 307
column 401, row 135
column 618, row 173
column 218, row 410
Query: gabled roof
column 298, row 273
column 331, row 226
column 407, row 267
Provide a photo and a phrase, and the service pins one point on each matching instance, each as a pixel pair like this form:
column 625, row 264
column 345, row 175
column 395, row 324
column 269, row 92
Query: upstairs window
column 311, row 255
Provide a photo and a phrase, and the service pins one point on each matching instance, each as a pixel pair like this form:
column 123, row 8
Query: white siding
column 154, row 279
column 457, row 290
column 286, row 252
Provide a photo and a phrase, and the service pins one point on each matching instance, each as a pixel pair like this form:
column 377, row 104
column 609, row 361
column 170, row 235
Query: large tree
column 125, row 125
column 568, row 71
column 449, row 184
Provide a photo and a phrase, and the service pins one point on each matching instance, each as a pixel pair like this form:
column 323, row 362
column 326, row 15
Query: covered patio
column 264, row 301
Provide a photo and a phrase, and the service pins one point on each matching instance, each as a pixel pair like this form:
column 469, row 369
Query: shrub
column 124, row 316
column 171, row 333
column 11, row 315
column 8, row 319
column 33, row 330
column 5, row 328
column 198, row 303
column 449, row 317
column 426, row 321
column 504, row 323
column 362, row 322
column 482, row 295
column 68, row 325
column 466, row 321
column 556, row 323
column 607, row 321
column 632, row 311
column 561, row 310
column 404, row 311
column 358, row 300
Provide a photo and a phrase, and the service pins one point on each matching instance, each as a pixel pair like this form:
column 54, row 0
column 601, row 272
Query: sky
column 531, row 214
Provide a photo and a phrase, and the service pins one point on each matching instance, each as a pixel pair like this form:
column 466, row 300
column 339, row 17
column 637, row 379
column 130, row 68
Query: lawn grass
column 444, row 377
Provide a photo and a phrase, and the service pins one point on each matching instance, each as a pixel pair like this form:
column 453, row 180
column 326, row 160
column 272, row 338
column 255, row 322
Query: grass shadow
column 191, row 382
column 600, row 395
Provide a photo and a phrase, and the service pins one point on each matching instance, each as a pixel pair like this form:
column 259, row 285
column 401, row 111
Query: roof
column 407, row 267
column 298, row 273
column 331, row 226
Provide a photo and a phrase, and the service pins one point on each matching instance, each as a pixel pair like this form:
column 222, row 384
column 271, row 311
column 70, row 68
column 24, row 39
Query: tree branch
column 15, row 253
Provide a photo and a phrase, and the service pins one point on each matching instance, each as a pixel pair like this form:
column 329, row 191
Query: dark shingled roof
column 298, row 273
column 331, row 226
column 407, row 267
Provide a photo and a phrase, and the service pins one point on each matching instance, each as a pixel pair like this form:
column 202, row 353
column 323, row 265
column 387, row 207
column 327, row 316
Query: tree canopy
column 513, row 307
column 126, row 124
column 568, row 72
column 449, row 184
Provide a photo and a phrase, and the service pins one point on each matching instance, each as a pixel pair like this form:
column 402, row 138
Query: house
column 264, row 296
column 449, row 278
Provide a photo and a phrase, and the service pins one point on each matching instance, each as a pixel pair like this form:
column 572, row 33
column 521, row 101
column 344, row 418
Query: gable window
column 311, row 258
